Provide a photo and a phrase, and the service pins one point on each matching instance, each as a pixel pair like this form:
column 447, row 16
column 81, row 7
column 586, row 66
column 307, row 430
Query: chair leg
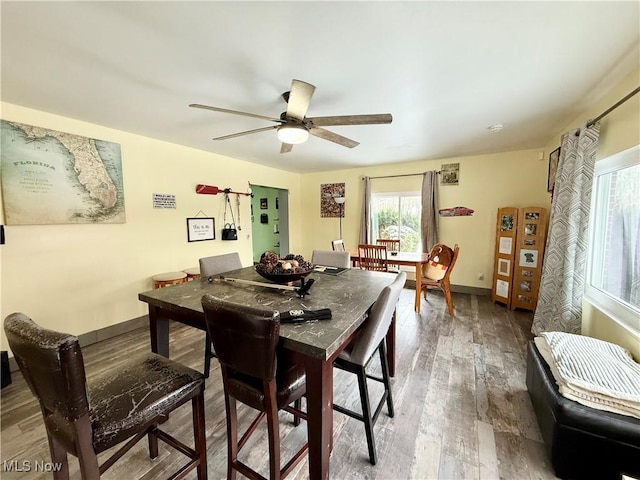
column 58, row 457
column 447, row 295
column 366, row 414
column 200, row 442
column 385, row 378
column 298, row 405
column 273, row 427
column 153, row 444
column 232, row 435
column 208, row 355
column 424, row 291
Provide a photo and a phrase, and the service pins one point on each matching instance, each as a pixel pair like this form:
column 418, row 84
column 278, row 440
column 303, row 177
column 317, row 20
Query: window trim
column 621, row 312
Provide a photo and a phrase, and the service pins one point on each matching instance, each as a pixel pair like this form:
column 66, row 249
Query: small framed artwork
column 450, row 174
column 527, row 273
column 532, row 216
column 530, row 243
column 505, row 245
column 530, row 229
column 502, row 288
column 553, row 169
column 506, row 223
column 504, row 267
column 528, row 258
column 525, row 285
column 264, row 203
column 201, row 228
column 524, row 299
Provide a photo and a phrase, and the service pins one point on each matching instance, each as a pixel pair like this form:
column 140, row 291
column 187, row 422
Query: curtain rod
column 404, row 175
column 612, row 108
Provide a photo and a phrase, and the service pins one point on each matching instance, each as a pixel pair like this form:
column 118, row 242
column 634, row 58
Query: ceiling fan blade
column 235, row 112
column 299, row 99
column 286, row 148
column 333, row 137
column 257, row 130
column 373, row 119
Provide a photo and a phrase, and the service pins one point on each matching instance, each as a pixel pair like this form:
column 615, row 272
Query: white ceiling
column 445, row 70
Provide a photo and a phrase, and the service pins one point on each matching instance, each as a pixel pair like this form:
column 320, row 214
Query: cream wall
column 487, row 182
column 79, row 278
column 619, row 130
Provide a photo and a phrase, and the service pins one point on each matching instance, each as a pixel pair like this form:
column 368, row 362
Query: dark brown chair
column 209, row 267
column 373, row 257
column 124, row 403
column 445, row 257
column 359, row 354
column 257, row 373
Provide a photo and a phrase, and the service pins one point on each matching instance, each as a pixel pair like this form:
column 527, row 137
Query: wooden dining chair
column 436, row 273
column 373, row 257
column 393, row 245
column 338, row 245
column 126, row 402
column 256, row 372
column 357, row 356
column 209, row 267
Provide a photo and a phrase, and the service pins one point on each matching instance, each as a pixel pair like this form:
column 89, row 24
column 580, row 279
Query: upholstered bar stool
column 169, row 278
column 192, row 273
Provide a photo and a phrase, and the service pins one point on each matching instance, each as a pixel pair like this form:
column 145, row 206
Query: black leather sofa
column 582, row 442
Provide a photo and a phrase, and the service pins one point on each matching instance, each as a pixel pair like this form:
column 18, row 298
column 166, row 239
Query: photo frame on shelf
column 200, row 229
column 504, row 267
column 506, row 223
column 528, row 258
column 553, row 169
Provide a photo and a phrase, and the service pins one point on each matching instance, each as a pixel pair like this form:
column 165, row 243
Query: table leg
column 418, row 286
column 319, row 415
column 391, row 346
column 159, row 332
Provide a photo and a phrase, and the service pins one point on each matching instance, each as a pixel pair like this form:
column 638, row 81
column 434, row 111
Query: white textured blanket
column 595, row 373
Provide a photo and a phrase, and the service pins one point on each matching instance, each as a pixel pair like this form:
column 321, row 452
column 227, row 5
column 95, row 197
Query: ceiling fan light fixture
column 293, row 134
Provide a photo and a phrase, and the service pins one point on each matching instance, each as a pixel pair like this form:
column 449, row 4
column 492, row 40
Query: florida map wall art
column 51, row 177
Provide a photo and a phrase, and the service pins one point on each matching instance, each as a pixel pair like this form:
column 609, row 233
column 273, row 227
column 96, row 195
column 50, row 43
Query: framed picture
column 450, row 174
column 201, row 228
column 506, row 223
column 528, row 258
column 504, row 267
column 505, row 245
column 264, row 203
column 553, row 168
column 525, row 285
column 502, row 288
column 530, row 229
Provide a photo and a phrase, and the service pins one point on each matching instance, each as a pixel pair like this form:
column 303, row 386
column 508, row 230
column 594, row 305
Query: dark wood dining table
column 315, row 344
column 411, row 259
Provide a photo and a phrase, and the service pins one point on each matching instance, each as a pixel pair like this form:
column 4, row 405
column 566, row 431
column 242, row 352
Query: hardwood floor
column 461, row 406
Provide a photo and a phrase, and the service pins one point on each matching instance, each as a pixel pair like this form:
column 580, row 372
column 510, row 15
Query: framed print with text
column 201, row 228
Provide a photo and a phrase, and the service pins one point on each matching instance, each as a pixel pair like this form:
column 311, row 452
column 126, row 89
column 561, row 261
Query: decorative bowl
column 284, row 277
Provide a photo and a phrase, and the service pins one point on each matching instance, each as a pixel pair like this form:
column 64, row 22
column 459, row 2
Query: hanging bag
column 229, row 231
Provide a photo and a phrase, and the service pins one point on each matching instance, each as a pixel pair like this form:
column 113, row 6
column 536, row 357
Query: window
column 397, row 215
column 613, row 274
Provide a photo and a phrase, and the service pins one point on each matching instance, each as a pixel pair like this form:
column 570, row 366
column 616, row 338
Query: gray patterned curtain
column 563, row 271
column 365, row 221
column 429, row 218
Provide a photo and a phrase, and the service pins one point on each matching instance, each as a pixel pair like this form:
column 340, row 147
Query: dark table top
column 349, row 295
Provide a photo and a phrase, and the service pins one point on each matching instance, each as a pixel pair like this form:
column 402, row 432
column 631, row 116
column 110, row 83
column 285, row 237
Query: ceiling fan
column 294, row 127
